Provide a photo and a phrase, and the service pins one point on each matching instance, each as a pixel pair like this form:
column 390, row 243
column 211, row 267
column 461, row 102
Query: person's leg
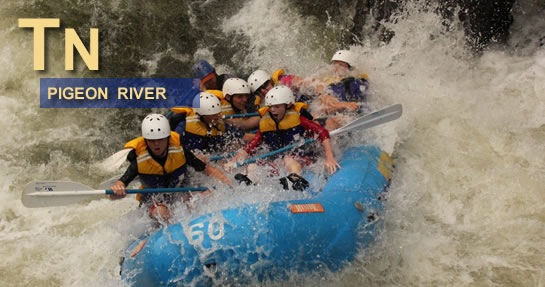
column 293, row 165
column 252, row 172
column 202, row 157
column 295, row 168
column 160, row 212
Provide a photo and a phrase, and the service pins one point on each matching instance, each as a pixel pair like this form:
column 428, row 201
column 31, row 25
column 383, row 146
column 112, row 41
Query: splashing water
column 465, row 207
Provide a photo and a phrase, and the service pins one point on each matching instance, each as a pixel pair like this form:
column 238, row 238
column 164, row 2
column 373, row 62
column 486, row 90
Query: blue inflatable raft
column 267, row 241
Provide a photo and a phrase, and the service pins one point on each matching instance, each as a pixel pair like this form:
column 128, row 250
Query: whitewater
column 466, row 205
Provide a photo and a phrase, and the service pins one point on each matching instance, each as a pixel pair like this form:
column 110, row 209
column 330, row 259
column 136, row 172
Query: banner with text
column 117, row 92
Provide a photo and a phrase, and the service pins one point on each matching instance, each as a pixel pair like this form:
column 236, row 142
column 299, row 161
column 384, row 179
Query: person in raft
column 204, row 131
column 261, row 83
column 160, row 161
column 210, row 80
column 281, row 125
column 236, row 93
column 342, row 93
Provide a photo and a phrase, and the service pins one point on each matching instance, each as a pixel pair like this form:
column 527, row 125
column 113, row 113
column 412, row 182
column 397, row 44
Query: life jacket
column 349, row 89
column 257, row 101
column 199, row 135
column 285, row 132
column 151, row 173
column 277, row 75
column 286, row 80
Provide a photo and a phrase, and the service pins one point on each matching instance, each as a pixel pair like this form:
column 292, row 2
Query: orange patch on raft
column 138, row 248
column 308, row 207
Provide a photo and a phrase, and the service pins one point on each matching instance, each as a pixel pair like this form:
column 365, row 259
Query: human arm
column 248, row 137
column 330, row 163
column 314, row 128
column 247, row 124
column 239, row 157
column 209, row 170
column 243, row 154
column 217, row 174
column 305, row 113
column 330, row 104
column 130, row 174
column 251, row 146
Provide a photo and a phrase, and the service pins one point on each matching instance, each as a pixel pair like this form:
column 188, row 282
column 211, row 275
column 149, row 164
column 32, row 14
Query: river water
column 466, row 205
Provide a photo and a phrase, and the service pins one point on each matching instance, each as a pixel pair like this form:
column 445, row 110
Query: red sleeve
column 315, row 128
column 254, row 143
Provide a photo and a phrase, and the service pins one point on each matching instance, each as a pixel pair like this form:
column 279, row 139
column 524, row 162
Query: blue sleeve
column 339, row 91
column 358, row 90
column 180, row 128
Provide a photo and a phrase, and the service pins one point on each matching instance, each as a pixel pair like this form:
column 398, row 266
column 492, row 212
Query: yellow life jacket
column 276, row 75
column 194, row 124
column 257, row 101
column 147, row 165
column 290, row 120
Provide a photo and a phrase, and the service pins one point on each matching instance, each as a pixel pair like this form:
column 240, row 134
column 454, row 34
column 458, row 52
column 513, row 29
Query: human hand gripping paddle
column 59, row 193
column 370, row 120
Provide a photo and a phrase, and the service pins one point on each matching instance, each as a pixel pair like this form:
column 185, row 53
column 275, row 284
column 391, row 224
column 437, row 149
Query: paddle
column 370, row 120
column 58, row 193
column 219, row 157
column 112, row 163
column 241, row 115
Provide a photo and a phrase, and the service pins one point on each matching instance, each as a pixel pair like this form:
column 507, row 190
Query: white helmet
column 235, row 86
column 343, row 56
column 279, row 95
column 257, row 79
column 206, row 104
column 155, row 126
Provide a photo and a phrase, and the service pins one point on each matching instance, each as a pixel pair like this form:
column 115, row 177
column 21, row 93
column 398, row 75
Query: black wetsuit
column 132, row 172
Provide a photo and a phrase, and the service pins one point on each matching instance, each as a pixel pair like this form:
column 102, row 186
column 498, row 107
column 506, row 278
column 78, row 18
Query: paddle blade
column 374, row 119
column 56, row 193
column 114, row 162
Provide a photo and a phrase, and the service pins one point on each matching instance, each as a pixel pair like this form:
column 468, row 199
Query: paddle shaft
column 282, row 149
column 109, row 191
column 241, row 115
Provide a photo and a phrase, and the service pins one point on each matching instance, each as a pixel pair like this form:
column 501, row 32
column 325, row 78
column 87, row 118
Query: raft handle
column 211, row 267
column 372, row 216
